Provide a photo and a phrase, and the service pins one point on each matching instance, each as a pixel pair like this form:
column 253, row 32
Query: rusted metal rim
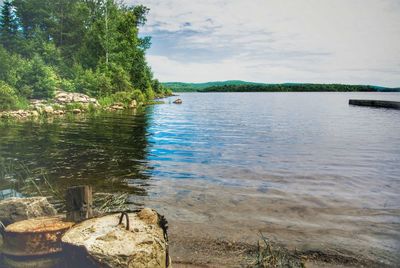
column 34, row 237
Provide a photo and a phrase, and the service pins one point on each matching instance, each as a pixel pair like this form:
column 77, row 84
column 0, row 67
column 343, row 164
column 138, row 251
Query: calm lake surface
column 306, row 169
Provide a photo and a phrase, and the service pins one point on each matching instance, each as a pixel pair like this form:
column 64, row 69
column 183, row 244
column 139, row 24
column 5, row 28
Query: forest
column 86, row 46
column 244, row 86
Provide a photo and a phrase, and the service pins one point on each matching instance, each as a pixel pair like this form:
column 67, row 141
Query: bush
column 123, row 96
column 67, row 85
column 37, row 80
column 149, row 94
column 92, row 83
column 10, row 67
column 138, row 96
column 119, row 79
column 9, row 99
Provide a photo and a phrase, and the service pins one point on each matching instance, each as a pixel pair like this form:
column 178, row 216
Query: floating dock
column 376, row 103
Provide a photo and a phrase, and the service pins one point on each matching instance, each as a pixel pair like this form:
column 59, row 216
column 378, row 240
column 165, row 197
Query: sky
column 275, row 41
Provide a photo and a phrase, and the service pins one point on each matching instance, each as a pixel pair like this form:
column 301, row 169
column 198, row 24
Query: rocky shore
column 65, row 103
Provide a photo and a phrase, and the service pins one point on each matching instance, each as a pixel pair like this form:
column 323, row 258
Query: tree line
column 289, row 88
column 87, row 46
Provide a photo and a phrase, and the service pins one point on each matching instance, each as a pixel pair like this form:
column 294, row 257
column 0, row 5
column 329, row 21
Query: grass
column 271, row 255
column 108, row 202
column 17, row 176
column 106, row 101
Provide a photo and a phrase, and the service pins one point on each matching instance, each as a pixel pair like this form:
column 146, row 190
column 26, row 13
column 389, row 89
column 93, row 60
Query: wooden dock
column 376, row 103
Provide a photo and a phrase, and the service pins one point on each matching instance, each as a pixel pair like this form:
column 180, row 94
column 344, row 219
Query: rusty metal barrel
column 34, row 243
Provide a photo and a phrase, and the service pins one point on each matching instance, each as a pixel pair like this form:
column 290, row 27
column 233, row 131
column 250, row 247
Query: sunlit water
column 306, row 169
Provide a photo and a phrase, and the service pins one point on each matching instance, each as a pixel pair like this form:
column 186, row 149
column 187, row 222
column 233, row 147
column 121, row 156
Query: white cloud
column 344, row 41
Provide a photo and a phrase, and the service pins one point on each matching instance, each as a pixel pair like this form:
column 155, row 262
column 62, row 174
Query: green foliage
column 149, row 93
column 9, row 99
column 138, row 96
column 92, row 47
column 243, row 86
column 37, row 80
column 119, row 78
column 288, row 88
column 75, row 105
column 106, row 101
column 92, row 83
column 10, row 65
column 67, row 85
column 123, row 96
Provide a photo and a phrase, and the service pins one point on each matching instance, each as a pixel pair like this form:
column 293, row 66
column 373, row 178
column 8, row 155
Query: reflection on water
column 305, row 168
column 107, row 151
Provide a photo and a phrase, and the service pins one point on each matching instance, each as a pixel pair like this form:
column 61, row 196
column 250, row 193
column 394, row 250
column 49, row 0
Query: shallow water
column 306, row 169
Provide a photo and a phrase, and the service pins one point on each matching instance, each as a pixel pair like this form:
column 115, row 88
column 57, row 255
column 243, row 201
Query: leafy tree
column 38, row 80
column 88, row 46
column 8, row 97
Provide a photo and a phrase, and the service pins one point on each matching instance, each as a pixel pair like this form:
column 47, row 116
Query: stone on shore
column 68, row 97
column 110, row 244
column 18, row 209
column 117, row 106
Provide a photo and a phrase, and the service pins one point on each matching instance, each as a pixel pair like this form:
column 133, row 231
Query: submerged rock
column 140, row 242
column 18, row 209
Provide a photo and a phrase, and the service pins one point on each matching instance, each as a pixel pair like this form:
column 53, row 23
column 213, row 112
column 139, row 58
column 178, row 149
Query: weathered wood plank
column 79, row 203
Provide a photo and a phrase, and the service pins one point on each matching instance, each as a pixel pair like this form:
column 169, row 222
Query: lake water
column 306, row 169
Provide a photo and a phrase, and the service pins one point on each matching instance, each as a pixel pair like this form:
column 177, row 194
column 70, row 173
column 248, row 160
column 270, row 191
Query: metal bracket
column 127, row 219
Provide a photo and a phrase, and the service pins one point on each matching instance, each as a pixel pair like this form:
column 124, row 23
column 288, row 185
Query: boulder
column 18, row 209
column 67, row 97
column 178, row 101
column 141, row 242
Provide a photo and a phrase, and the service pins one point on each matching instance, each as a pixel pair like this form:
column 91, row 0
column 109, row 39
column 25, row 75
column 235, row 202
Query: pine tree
column 9, row 27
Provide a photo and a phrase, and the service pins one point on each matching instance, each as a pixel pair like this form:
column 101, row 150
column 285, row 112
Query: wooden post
column 79, row 203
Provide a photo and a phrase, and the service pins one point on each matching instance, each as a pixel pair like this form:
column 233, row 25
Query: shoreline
column 65, row 103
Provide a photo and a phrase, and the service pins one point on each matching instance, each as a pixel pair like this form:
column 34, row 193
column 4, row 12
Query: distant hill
column 244, row 86
column 192, row 87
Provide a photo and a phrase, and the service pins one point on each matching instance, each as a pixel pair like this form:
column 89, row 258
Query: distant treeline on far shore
column 242, row 86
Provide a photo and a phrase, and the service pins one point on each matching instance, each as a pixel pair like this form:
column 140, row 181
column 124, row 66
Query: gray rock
column 18, row 209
